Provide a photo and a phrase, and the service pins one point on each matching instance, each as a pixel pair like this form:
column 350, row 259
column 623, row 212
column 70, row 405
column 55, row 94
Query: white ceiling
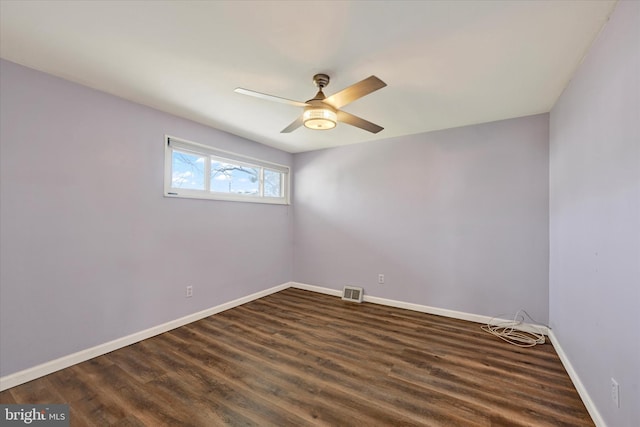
column 446, row 63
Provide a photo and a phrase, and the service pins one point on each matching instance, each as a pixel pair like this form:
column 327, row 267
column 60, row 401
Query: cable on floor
column 513, row 332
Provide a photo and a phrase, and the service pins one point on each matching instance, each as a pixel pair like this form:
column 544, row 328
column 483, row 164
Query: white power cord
column 514, row 332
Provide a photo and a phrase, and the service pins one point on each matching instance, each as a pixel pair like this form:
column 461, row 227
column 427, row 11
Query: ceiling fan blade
column 356, row 91
column 269, row 97
column 356, row 121
column 293, row 126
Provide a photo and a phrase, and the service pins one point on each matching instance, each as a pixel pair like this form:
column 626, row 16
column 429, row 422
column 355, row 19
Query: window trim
column 183, row 145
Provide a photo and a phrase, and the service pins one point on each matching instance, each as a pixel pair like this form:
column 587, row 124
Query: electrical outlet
column 381, row 279
column 615, row 392
column 189, row 291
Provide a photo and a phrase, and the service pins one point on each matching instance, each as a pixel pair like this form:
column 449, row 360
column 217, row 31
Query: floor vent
column 351, row 293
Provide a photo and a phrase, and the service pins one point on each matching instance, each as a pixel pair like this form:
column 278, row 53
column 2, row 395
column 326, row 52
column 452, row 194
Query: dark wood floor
column 299, row 358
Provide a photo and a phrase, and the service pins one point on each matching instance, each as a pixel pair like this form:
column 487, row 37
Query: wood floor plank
column 299, row 380
column 37, row 392
column 298, row 358
column 6, row 398
column 225, row 394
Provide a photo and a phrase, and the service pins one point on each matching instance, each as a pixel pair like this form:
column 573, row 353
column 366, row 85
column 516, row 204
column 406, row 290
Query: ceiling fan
column 322, row 113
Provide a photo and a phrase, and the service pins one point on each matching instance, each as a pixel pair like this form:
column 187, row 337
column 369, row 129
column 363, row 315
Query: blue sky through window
column 206, row 175
column 232, row 178
column 187, row 171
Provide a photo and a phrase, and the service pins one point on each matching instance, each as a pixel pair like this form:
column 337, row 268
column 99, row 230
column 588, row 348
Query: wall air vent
column 350, row 293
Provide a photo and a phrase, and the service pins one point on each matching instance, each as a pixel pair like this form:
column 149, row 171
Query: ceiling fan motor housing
column 322, row 113
column 321, row 80
column 319, row 115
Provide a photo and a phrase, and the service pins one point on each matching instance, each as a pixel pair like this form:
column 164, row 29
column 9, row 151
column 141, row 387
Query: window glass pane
column 233, row 178
column 187, row 171
column 199, row 171
column 272, row 183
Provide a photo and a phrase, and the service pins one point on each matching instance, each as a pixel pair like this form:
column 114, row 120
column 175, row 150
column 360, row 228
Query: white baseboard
column 428, row 309
column 582, row 391
column 84, row 355
column 318, row 289
column 46, row 368
column 577, row 383
column 478, row 318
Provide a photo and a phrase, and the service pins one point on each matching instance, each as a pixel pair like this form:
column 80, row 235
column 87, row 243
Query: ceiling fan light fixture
column 319, row 118
column 322, row 113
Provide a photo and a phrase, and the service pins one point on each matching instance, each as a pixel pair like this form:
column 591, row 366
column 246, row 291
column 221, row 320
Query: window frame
column 172, row 143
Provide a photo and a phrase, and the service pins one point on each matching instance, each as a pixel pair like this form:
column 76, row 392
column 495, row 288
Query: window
column 203, row 172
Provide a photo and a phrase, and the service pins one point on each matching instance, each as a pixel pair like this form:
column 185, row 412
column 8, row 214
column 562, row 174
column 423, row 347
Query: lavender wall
column 456, row 219
column 595, row 218
column 91, row 251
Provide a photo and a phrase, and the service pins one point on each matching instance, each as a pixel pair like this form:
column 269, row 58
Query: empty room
column 320, row 213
